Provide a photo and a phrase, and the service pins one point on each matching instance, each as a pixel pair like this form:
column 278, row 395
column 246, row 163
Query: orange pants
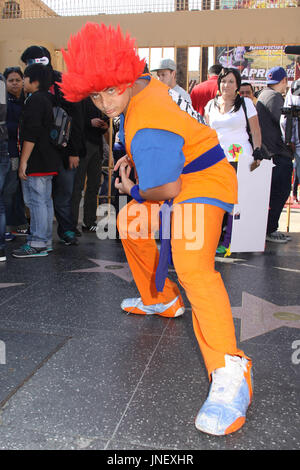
column 194, row 263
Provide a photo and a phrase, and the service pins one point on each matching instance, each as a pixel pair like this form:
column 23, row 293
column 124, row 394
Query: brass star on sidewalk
column 259, row 316
column 121, row 270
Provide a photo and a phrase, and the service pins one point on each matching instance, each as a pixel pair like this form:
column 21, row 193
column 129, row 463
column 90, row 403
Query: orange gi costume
column 155, row 108
column 174, row 153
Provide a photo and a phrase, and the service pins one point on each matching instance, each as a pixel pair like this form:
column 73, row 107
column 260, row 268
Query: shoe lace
column 226, row 380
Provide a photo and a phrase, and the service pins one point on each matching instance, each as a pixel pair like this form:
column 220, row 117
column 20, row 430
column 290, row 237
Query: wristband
column 257, row 154
column 135, row 193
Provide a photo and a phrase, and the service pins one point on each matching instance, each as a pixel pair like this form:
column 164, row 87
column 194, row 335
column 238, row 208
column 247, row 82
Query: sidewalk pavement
column 78, row 373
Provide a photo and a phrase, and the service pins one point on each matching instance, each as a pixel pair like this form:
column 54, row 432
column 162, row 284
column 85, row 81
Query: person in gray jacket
column 269, row 107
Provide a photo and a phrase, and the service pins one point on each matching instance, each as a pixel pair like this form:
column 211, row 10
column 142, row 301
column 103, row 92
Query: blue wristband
column 135, row 193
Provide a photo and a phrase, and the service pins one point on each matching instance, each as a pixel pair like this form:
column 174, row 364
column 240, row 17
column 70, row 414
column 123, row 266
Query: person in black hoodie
column 96, row 124
column 69, row 156
column 39, row 161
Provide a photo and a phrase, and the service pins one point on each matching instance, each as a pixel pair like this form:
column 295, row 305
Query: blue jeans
column 63, row 185
column 4, row 169
column 37, row 197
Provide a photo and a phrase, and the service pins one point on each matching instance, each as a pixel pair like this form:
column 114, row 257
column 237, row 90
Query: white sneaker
column 230, row 394
column 175, row 308
column 2, row 255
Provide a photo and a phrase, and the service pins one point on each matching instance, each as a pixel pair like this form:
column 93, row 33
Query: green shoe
column 221, row 250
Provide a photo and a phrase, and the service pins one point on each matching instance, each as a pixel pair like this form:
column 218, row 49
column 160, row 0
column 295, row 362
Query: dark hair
column 10, row 70
column 247, row 84
column 238, row 100
column 35, row 52
column 215, row 69
column 40, row 73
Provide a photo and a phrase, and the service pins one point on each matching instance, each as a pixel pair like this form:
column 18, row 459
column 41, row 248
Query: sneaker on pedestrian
column 2, row 255
column 20, row 232
column 276, row 237
column 287, row 236
column 27, row 251
column 224, row 410
column 89, row 228
column 69, row 238
column 175, row 308
column 9, row 237
column 221, row 250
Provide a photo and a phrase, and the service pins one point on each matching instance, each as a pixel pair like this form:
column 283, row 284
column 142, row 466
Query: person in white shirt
column 227, row 115
column 166, row 72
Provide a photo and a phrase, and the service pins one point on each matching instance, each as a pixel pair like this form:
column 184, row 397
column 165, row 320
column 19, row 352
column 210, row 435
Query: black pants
column 280, row 190
column 62, row 190
column 90, row 166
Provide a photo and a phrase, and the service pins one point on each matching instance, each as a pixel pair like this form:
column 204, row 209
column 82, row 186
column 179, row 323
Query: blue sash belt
column 207, row 159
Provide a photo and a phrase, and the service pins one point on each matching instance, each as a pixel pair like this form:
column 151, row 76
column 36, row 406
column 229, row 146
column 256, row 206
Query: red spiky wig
column 99, row 57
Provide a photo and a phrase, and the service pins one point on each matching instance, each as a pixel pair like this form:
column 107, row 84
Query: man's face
column 111, row 102
column 246, row 91
column 166, row 76
column 283, row 85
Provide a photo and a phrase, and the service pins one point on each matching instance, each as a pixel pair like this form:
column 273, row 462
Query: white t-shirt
column 231, row 128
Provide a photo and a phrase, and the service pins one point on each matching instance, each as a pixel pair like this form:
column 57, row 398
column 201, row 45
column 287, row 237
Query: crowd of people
column 177, row 155
column 39, row 181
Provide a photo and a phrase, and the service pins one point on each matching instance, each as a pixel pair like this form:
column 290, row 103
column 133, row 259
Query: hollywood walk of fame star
column 121, row 270
column 259, row 316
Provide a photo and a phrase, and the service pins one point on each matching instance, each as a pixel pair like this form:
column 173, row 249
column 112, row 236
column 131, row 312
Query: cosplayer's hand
column 124, row 184
column 73, row 162
column 123, row 160
column 22, row 170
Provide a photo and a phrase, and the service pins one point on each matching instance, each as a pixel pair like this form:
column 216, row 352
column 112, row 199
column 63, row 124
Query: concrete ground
column 78, row 373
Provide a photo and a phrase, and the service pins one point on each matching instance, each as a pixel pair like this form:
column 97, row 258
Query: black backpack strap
column 247, row 121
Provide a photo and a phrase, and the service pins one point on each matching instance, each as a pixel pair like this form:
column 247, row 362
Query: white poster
column 250, row 215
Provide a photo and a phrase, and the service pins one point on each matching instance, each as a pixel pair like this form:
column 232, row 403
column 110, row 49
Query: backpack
column 60, row 132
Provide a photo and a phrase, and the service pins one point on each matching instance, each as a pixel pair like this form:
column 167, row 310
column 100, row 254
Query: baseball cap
column 275, row 75
column 165, row 64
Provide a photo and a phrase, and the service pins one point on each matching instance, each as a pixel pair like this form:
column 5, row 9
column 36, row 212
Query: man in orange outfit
column 178, row 160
